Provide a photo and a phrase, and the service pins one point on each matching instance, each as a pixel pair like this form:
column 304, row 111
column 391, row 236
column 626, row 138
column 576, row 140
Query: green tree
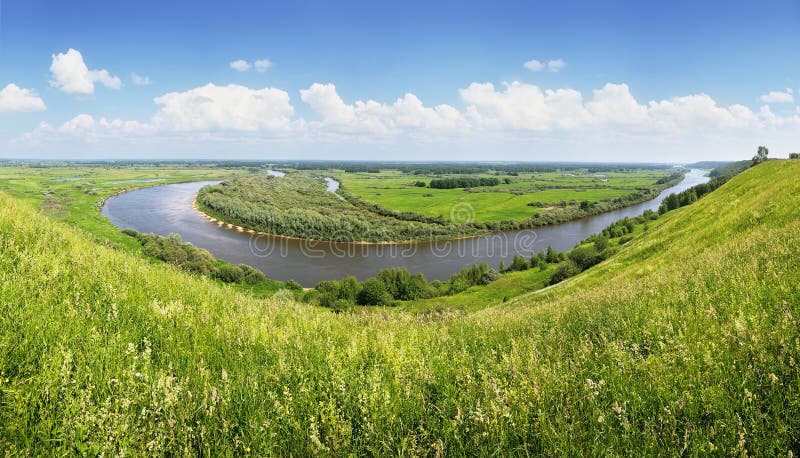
column 761, row 155
column 601, row 243
column 519, row 263
column 373, row 292
column 563, row 271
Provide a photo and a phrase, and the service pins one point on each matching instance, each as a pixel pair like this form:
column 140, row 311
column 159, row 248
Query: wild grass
column 685, row 343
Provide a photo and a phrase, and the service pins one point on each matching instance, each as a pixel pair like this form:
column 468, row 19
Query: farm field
column 683, row 342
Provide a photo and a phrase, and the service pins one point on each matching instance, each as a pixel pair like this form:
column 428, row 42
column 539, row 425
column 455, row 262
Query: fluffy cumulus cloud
column 525, row 107
column 495, row 116
column 16, row 99
column 86, row 128
column 406, row 114
column 231, row 107
column 70, row 74
column 786, row 96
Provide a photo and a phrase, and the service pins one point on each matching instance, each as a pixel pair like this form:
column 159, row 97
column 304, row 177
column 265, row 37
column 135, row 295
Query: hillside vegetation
column 685, row 342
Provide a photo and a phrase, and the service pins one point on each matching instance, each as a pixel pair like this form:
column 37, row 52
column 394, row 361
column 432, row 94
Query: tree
column 488, row 277
column 584, row 257
column 519, row 263
column 601, row 243
column 373, row 292
column 552, row 255
column 761, row 155
column 794, row 155
column 563, row 271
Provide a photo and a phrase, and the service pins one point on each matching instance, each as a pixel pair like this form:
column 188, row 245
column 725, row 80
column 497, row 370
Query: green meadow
column 685, row 342
column 395, row 190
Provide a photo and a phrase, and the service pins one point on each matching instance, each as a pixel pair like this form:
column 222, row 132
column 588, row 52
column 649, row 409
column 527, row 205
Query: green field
column 390, row 206
column 684, row 343
column 395, row 190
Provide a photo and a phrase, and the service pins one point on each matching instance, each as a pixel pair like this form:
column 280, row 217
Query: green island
column 419, row 202
column 669, row 333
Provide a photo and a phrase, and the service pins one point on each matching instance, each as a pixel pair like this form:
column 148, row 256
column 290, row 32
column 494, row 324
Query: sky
column 674, row 81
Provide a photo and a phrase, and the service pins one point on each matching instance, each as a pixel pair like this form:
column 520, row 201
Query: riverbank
column 298, row 207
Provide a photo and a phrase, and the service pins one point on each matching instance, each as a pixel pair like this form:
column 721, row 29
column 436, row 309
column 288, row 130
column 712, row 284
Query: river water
column 166, row 209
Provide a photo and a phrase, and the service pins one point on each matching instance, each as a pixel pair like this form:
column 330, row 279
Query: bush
column 293, row 285
column 519, row 263
column 584, row 257
column 373, row 292
column 488, row 277
column 229, row 273
column 563, row 271
column 199, row 267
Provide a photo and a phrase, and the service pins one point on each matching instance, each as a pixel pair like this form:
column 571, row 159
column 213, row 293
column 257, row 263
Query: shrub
column 584, row 257
column 293, row 285
column 600, row 243
column 488, row 277
column 519, row 263
column 373, row 292
column 563, row 271
column 229, row 273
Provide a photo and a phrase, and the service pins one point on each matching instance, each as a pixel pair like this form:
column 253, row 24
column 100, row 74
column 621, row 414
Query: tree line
column 463, row 182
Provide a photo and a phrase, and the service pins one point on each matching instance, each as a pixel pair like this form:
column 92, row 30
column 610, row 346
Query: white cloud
column 778, row 97
column 406, row 114
column 16, row 99
column 139, row 80
column 513, row 120
column 71, row 75
column 240, row 65
column 533, row 65
column 526, row 107
column 556, row 65
column 262, row 65
column 231, row 107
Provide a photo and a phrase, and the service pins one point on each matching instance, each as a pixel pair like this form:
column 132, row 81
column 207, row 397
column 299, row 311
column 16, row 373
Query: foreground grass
column 686, row 342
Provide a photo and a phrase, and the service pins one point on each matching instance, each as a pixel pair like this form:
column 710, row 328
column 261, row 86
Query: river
column 166, row 209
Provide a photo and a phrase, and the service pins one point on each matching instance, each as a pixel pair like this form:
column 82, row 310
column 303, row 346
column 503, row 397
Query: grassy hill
column 686, row 342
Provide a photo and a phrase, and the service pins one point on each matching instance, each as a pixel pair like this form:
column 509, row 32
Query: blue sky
column 678, row 80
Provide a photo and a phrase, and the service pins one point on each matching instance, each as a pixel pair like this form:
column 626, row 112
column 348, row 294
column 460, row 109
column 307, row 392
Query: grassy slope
column 685, row 342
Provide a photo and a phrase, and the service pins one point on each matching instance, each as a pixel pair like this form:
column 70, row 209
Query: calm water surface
column 165, row 209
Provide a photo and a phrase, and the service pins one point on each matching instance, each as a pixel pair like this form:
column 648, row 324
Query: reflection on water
column 166, row 209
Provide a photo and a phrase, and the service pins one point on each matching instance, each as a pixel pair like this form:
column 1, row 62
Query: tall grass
column 686, row 342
